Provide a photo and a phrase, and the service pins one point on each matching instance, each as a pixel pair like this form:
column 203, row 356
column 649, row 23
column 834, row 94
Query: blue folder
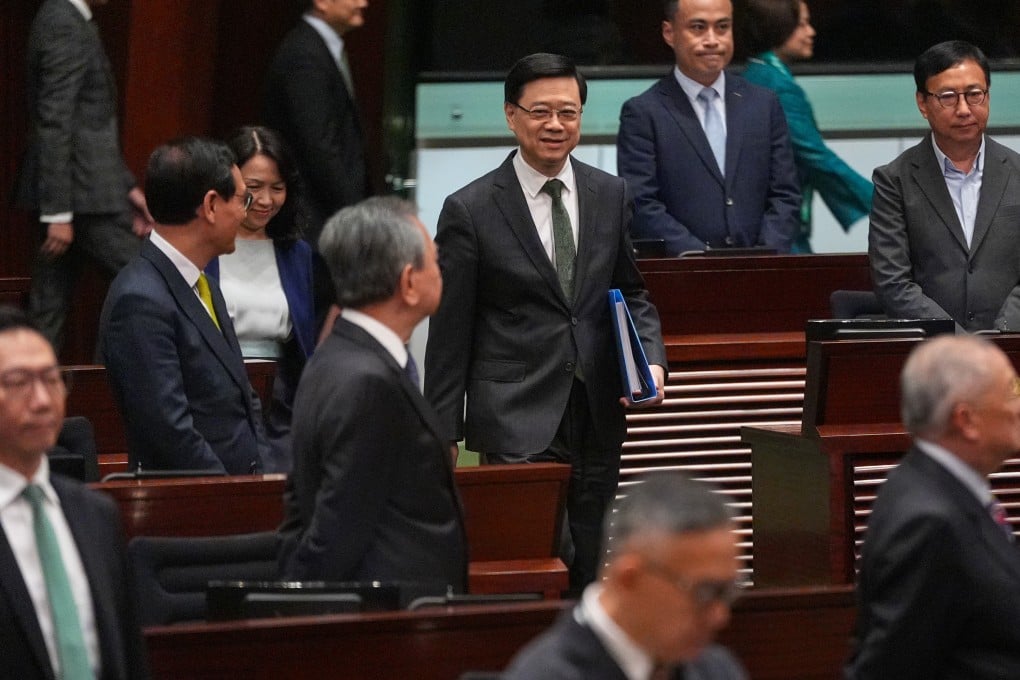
column 635, row 375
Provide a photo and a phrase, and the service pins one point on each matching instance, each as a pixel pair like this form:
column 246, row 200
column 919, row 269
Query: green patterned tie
column 74, row 659
column 563, row 238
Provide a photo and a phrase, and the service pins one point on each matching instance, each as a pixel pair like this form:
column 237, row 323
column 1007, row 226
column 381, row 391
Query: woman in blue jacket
column 777, row 33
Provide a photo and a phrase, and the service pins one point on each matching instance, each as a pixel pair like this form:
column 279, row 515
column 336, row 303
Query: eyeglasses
column 542, row 114
column 951, row 99
column 247, row 200
column 18, row 382
column 704, row 593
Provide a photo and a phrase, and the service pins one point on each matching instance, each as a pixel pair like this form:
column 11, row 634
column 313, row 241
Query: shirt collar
column 693, row 88
column 532, row 180
column 967, row 475
column 382, row 333
column 334, row 43
column 185, row 266
column 85, row 10
column 979, row 162
column 13, row 483
column 635, row 663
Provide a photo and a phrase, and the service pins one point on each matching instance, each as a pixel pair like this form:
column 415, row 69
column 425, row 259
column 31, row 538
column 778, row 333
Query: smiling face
column 545, row 145
column 701, row 35
column 262, row 179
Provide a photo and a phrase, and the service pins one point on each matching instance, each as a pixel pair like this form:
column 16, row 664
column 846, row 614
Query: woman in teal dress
column 777, row 33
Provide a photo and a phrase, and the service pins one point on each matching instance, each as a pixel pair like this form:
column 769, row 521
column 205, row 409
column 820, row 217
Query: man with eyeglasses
column 529, row 253
column 64, row 605
column 165, row 336
column 945, row 217
column 667, row 582
column 939, row 585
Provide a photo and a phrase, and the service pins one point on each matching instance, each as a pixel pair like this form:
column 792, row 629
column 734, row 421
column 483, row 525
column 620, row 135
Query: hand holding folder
column 635, row 373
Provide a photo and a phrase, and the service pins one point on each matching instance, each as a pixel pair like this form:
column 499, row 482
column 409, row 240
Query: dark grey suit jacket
column 939, row 586
column 505, row 334
column 306, row 100
column 95, row 525
column 920, row 263
column 73, row 161
column 571, row 651
column 680, row 195
column 371, row 495
column 179, row 381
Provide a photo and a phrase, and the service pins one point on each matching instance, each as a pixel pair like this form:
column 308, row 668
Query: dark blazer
column 306, row 100
column 95, row 525
column 939, row 586
column 920, row 263
column 680, row 195
column 571, row 651
column 179, row 381
column 371, row 495
column 505, row 334
column 73, row 160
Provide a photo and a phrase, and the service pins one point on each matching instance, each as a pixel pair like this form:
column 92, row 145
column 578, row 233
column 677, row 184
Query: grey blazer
column 921, row 265
column 73, row 161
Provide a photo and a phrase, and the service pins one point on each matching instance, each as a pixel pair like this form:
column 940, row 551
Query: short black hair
column 181, row 172
column 945, row 55
column 669, row 8
column 537, row 66
column 765, row 24
column 287, row 226
column 13, row 319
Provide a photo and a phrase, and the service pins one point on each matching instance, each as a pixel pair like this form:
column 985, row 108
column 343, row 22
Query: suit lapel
column 994, row 180
column 930, row 181
column 678, row 106
column 509, row 198
column 735, row 120
column 589, row 219
column 222, row 343
column 13, row 587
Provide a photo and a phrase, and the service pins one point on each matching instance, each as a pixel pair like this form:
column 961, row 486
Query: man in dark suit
column 73, row 175
column 665, row 590
column 371, row 496
column 166, row 338
column 524, row 328
column 707, row 154
column 946, row 213
column 309, row 99
column 939, row 585
column 64, row 608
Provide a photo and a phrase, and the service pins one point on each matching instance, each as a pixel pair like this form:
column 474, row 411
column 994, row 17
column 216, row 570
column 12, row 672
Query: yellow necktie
column 206, row 296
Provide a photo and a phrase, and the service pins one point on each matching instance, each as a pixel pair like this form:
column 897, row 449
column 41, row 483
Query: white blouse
column 250, row 281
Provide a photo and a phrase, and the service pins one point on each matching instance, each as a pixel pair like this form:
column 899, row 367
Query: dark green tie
column 563, row 238
column 74, row 659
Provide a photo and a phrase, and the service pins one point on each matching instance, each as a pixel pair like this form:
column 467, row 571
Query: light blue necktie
column 714, row 127
column 74, row 659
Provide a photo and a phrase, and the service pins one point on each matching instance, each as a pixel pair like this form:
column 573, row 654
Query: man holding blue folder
column 529, row 253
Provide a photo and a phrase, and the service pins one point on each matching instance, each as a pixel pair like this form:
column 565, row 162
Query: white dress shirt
column 635, row 663
column 382, row 333
column 693, row 88
column 964, row 187
column 540, row 203
column 188, row 271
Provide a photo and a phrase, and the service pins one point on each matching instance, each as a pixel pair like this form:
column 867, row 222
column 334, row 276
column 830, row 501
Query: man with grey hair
column 939, row 585
column 665, row 589
column 371, row 495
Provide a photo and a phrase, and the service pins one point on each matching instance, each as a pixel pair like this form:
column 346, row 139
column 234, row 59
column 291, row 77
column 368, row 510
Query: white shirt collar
column 635, row 663
column 979, row 162
column 334, row 43
column 532, row 180
column 12, row 483
column 693, row 88
column 85, row 10
column 967, row 475
column 185, row 266
column 382, row 333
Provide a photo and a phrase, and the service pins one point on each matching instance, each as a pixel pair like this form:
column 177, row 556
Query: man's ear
column 207, row 210
column 963, row 420
column 408, row 293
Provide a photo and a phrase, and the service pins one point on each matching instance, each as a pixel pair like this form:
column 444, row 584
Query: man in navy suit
column 523, row 331
column 939, row 586
column 371, row 496
column 166, row 338
column 665, row 590
column 309, row 99
column 707, row 154
column 65, row 611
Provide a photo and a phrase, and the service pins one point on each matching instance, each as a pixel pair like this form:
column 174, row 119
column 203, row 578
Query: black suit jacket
column 505, row 334
column 179, row 381
column 73, row 160
column 95, row 525
column 371, row 495
column 939, row 586
column 306, row 100
column 571, row 651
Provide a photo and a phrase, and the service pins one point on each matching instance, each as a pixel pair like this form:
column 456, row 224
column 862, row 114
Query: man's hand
column 659, row 375
column 59, row 236
column 141, row 220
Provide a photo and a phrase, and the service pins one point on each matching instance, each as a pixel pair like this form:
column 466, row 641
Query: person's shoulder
column 80, row 497
column 55, row 19
column 995, row 148
column 651, row 93
column 566, row 651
